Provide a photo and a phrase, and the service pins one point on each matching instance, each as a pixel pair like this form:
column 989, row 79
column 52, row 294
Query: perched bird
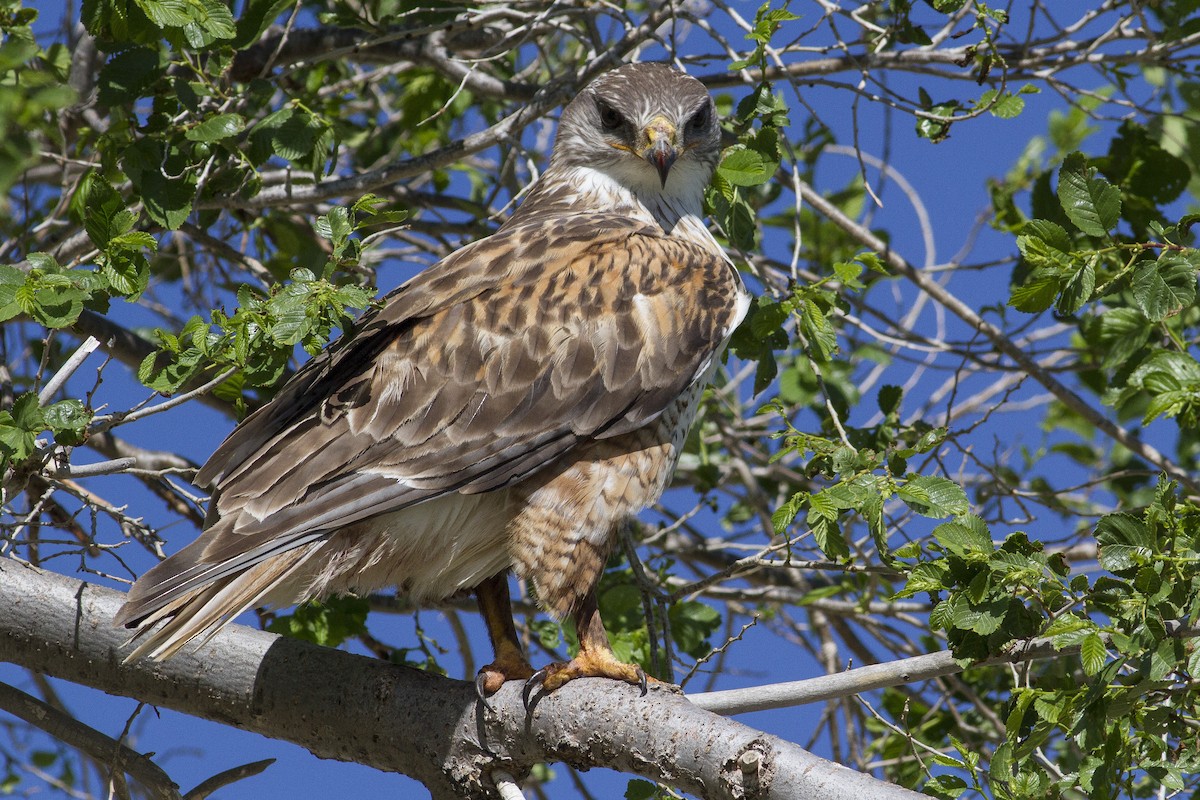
column 505, row 410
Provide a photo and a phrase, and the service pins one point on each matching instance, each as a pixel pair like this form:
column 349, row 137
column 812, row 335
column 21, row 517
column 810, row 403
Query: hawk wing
column 481, row 370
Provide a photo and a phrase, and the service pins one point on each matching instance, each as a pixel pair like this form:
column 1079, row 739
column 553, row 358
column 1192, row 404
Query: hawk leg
column 594, row 660
column 510, row 663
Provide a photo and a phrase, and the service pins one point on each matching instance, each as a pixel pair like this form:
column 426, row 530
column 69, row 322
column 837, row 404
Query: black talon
column 533, row 681
column 480, row 679
column 641, row 673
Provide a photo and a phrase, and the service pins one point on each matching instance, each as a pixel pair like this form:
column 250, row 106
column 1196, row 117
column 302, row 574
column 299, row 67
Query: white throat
column 677, row 207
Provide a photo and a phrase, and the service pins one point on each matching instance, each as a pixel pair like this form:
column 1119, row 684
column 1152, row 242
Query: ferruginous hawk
column 505, row 410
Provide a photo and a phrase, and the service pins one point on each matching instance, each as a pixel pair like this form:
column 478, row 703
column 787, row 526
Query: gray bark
column 351, row 708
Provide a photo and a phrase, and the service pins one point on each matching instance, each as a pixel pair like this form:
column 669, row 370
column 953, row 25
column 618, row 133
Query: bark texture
column 351, row 708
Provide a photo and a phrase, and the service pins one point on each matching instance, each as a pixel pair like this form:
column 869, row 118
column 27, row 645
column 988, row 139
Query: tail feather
column 197, row 599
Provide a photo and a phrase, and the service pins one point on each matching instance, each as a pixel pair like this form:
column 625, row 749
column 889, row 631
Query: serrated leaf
column 214, row 129
column 822, row 521
column 1118, row 557
column 984, row 618
column 927, row 576
column 1077, row 290
column 1036, row 294
column 1009, row 106
column 1091, row 202
column 1053, row 234
column 966, row 535
column 1119, row 333
column 933, row 496
column 818, row 330
column 1162, row 288
column 1067, row 623
column 744, row 167
column 11, row 281
column 1122, row 528
column 1092, row 653
column 166, row 13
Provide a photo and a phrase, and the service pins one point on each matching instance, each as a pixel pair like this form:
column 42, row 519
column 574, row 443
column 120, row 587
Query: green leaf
column 933, row 496
column 67, row 419
column 1077, row 290
column 1118, row 557
column 692, row 623
column 11, row 281
column 19, row 428
column 1008, row 106
column 1036, row 294
column 818, row 330
column 128, row 76
column 744, row 167
column 328, row 622
column 640, row 790
column 1162, row 288
column 1091, row 202
column 822, row 521
column 1053, row 235
column 216, row 128
column 927, row 576
column 257, row 16
column 982, row 618
column 1118, row 334
column 1093, row 653
column 964, row 536
column 1122, row 528
column 166, row 13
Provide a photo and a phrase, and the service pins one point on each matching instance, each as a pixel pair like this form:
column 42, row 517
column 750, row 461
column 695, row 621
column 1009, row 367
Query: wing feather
column 475, row 374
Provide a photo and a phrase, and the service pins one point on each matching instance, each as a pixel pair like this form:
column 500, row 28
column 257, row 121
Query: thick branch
column 357, row 709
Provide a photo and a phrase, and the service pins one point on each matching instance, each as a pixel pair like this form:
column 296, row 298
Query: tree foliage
column 990, row 454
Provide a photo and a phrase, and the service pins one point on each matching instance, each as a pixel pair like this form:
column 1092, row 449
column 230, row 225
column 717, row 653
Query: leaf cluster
column 1120, row 723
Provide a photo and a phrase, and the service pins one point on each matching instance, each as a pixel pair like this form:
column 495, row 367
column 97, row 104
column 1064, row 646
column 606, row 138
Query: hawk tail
column 196, row 599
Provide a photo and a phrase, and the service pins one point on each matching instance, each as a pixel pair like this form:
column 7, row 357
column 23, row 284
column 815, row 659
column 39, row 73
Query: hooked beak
column 660, row 147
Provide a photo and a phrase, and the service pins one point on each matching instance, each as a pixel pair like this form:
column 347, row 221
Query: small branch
column 1061, row 391
column 223, row 779
column 69, row 470
column 95, row 744
column 507, row 785
column 880, row 676
column 121, row 419
column 61, row 377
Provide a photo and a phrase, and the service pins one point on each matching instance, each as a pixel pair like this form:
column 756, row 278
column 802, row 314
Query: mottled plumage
column 506, row 409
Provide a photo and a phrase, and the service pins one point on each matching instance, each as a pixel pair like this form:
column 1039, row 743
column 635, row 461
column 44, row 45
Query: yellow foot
column 490, row 678
column 594, row 664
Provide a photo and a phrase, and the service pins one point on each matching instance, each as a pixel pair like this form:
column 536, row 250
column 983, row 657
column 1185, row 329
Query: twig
column 223, row 779
column 92, row 470
column 879, row 676
column 121, row 419
column 1005, row 345
column 100, row 747
column 60, row 378
column 507, row 785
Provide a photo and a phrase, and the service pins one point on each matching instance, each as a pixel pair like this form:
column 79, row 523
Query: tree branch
column 928, row 284
column 403, row 720
column 879, row 676
column 102, row 748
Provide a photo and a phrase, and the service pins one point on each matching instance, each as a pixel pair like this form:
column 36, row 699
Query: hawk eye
column 610, row 118
column 699, row 120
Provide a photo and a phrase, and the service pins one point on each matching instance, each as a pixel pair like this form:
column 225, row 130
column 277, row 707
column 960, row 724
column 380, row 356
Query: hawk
column 506, row 410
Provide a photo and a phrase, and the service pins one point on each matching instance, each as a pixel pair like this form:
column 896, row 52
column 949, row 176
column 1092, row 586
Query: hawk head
column 649, row 127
